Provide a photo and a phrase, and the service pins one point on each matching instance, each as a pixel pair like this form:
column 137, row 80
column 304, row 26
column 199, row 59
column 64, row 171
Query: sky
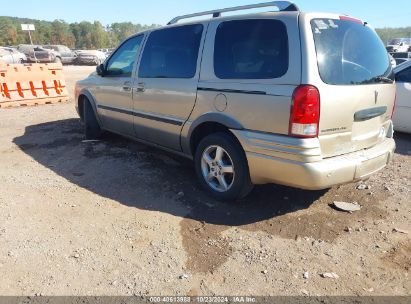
column 378, row 13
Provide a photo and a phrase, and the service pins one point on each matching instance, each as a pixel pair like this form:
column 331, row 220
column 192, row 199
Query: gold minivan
column 287, row 97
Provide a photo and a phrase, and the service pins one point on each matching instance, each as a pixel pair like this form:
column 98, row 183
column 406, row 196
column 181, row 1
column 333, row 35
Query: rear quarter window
column 251, row 49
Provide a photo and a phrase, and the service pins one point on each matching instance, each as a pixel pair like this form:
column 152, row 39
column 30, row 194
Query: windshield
column 349, row 52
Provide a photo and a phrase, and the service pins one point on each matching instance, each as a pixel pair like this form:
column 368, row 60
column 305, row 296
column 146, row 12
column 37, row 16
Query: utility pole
column 31, row 40
column 29, row 28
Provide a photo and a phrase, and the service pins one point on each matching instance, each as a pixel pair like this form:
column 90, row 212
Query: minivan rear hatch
column 356, row 85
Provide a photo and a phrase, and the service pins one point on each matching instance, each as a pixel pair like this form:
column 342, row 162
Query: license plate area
column 371, row 166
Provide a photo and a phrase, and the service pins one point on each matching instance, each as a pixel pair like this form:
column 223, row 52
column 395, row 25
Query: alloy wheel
column 217, row 168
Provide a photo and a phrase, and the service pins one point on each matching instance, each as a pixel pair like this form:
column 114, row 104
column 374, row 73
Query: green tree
column 387, row 33
column 8, row 32
column 99, row 36
column 82, row 32
column 61, row 34
column 83, row 35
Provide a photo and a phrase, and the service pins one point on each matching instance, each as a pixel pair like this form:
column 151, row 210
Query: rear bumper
column 321, row 174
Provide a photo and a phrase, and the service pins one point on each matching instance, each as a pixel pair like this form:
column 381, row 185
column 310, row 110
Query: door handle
column 141, row 87
column 127, row 86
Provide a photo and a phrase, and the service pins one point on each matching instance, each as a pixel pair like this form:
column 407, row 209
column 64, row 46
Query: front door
column 114, row 90
column 166, row 89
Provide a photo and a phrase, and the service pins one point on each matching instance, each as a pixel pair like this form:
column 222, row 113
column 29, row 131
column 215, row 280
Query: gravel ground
column 120, row 218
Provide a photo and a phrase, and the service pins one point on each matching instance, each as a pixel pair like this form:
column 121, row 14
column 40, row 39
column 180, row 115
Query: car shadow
column 143, row 177
column 403, row 141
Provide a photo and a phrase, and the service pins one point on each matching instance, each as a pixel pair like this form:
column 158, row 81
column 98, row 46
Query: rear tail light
column 305, row 112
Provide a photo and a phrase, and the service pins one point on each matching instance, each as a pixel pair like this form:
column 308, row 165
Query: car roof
column 226, row 18
column 245, row 16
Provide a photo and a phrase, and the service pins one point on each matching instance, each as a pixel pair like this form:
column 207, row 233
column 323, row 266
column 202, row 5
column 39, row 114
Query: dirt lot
column 119, row 218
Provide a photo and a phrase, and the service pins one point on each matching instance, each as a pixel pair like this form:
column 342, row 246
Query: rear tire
column 92, row 128
column 222, row 168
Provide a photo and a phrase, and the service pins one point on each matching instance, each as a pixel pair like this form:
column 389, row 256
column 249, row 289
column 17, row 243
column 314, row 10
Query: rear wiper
column 382, row 79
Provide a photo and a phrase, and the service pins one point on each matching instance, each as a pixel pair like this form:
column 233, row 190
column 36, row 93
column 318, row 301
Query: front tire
column 222, row 167
column 92, row 128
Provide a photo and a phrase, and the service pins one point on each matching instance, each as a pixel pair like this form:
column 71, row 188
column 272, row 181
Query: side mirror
column 101, row 70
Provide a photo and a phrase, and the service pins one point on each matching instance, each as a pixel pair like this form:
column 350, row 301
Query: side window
column 172, row 53
column 122, row 62
column 404, row 75
column 251, row 49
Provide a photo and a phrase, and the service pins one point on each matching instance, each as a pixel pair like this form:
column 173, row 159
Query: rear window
column 349, row 52
column 251, row 49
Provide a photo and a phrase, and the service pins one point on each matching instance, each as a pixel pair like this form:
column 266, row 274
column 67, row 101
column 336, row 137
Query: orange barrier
column 31, row 84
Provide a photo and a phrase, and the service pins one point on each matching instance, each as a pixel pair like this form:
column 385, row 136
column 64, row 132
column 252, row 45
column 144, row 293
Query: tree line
column 387, row 34
column 82, row 35
column 93, row 35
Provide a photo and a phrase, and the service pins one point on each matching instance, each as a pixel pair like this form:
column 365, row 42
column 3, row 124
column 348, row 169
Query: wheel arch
column 82, row 97
column 207, row 124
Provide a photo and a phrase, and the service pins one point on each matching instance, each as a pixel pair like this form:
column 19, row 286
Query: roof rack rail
column 281, row 5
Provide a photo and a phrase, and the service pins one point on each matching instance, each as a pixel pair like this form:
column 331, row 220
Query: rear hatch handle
column 368, row 114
